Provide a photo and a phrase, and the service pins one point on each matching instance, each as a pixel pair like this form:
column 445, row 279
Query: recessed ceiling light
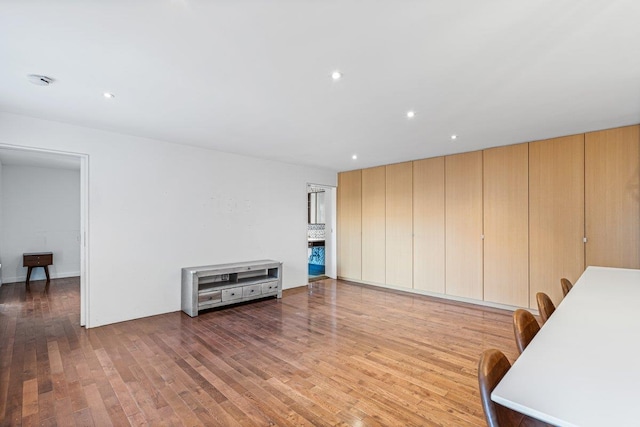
column 411, row 114
column 108, row 95
column 354, row 157
column 454, row 137
column 336, row 75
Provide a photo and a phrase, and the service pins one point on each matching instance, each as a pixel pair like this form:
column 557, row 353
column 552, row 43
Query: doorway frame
column 84, row 222
column 331, row 268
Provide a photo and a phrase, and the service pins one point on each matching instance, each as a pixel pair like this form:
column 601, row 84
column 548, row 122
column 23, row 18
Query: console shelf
column 218, row 285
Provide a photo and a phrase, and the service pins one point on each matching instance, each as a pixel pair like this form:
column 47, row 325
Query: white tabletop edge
column 542, row 381
column 531, row 412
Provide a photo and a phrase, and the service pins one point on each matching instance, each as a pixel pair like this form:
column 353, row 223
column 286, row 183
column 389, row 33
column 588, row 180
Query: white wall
column 41, row 212
column 1, row 223
column 155, row 207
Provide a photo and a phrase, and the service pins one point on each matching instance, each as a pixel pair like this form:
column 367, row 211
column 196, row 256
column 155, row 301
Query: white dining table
column 583, row 367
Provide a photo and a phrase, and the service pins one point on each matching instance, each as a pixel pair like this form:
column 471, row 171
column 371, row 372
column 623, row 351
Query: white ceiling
column 253, row 77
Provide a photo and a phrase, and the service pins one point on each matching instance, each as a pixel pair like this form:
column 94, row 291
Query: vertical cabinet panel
column 349, row 225
column 556, row 214
column 373, row 225
column 506, row 225
column 399, row 225
column 612, row 197
column 463, row 203
column 428, row 224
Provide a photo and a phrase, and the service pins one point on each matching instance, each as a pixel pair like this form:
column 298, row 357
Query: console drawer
column 231, row 294
column 253, row 290
column 270, row 287
column 209, row 297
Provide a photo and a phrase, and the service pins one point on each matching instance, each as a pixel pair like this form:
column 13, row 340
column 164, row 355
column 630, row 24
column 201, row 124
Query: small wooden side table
column 37, row 259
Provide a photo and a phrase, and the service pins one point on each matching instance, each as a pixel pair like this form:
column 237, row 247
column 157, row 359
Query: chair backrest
column 566, row 286
column 492, row 367
column 525, row 327
column 545, row 306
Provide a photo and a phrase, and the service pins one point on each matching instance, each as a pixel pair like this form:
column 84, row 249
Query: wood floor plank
column 180, row 407
column 30, row 397
column 99, row 413
column 7, row 328
column 331, row 354
column 111, row 403
column 127, row 403
column 46, row 405
column 83, row 418
column 64, row 413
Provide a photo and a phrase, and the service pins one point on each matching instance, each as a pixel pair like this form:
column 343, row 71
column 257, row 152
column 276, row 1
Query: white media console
column 217, row 285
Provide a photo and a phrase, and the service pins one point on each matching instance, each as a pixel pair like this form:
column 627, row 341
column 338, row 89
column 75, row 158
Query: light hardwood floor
column 333, row 353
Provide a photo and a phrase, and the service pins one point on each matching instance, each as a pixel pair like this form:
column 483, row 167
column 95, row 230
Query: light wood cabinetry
column 556, row 214
column 423, row 222
column 373, row 225
column 463, row 203
column 612, row 197
column 399, row 225
column 506, row 225
column 428, row 224
column 350, row 225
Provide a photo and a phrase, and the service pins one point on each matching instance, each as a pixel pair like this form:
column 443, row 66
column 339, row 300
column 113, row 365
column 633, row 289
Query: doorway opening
column 320, row 231
column 68, row 245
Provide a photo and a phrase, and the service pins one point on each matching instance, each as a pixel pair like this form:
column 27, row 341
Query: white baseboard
column 443, row 296
column 23, row 278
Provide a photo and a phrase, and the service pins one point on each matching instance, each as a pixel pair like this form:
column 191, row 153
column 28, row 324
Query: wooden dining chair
column 566, row 286
column 525, row 327
column 492, row 367
column 545, row 306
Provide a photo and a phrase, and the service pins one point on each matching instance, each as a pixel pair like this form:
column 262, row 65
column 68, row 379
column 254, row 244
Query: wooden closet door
column 506, row 225
column 399, row 225
column 612, row 197
column 556, row 214
column 428, row 224
column 463, row 202
column 349, row 211
column 373, row 225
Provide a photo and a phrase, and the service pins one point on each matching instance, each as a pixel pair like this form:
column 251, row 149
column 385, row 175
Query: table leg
column 28, row 276
column 46, row 271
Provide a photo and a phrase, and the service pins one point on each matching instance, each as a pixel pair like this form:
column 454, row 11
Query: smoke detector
column 39, row 80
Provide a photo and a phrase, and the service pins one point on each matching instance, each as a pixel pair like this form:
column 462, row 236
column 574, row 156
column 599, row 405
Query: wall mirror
column 316, row 213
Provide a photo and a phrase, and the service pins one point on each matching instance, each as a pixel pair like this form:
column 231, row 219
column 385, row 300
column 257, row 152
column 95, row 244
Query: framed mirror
column 316, row 214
